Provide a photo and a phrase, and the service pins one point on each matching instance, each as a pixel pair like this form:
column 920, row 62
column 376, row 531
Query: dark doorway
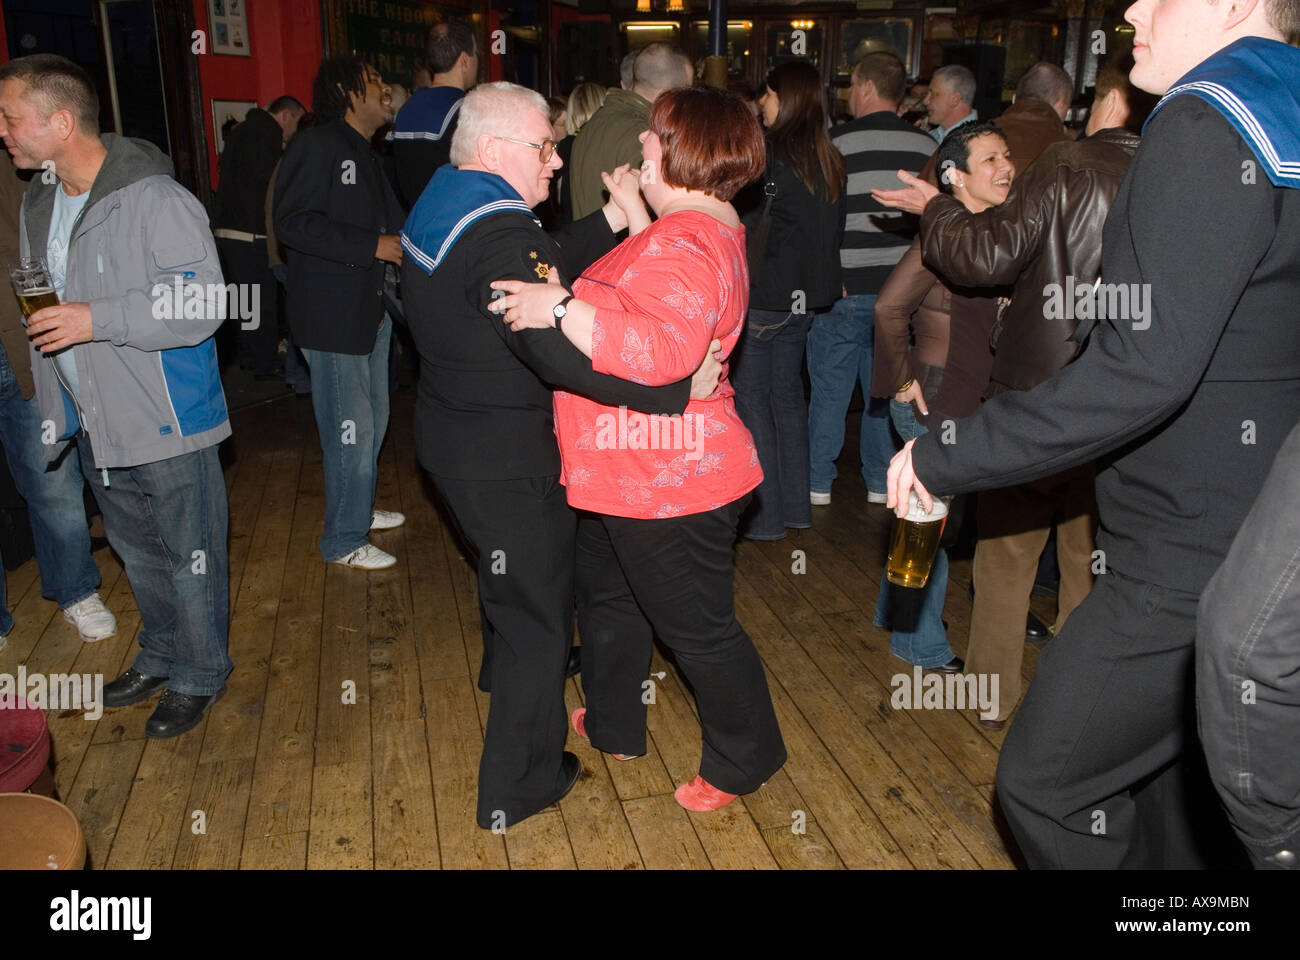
column 135, row 72
column 128, row 47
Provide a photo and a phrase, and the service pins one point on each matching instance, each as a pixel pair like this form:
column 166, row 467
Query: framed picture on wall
column 224, row 111
column 228, row 20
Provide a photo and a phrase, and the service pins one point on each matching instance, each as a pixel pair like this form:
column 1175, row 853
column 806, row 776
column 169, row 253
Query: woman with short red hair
column 661, row 496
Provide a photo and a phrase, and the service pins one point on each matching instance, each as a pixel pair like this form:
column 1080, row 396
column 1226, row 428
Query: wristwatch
column 560, row 309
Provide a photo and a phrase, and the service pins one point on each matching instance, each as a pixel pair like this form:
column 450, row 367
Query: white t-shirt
column 66, row 211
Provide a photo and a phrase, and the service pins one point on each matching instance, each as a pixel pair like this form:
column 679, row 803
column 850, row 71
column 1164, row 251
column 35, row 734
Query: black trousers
column 673, row 577
column 1101, row 768
column 246, row 262
column 522, row 535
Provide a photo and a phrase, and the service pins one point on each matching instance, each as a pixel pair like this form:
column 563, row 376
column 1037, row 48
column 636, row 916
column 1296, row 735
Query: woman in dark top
column 584, row 101
column 944, row 374
column 793, row 276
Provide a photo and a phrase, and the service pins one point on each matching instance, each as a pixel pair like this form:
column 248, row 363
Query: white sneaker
column 386, row 519
column 91, row 618
column 873, row 497
column 819, row 499
column 367, row 557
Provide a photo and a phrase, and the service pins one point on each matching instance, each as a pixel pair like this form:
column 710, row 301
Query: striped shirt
column 875, row 148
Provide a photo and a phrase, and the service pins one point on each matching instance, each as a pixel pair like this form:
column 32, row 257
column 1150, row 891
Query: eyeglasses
column 545, row 149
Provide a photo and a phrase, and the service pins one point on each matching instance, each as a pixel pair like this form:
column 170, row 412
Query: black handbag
column 756, row 242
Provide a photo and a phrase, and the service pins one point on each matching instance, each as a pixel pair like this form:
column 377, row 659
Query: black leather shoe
column 570, row 771
column 131, row 687
column 574, row 665
column 176, row 713
column 955, row 665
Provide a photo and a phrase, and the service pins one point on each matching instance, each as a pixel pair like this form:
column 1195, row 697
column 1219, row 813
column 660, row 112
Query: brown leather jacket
column 1048, row 229
column 1031, row 126
column 951, row 358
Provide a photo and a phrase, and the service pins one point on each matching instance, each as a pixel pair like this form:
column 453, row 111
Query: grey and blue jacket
column 149, row 382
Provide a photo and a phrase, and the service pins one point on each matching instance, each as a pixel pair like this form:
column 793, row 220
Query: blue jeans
column 915, row 617
column 840, row 353
column 768, row 376
column 168, row 522
column 55, row 505
column 350, row 397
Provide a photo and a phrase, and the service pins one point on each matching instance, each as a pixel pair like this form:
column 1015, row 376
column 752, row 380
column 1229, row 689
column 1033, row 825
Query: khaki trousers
column 1014, row 524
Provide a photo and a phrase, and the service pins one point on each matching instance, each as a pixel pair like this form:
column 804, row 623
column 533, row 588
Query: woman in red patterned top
column 661, row 496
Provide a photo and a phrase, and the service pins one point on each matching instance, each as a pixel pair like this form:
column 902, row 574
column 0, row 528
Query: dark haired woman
column 932, row 351
column 662, row 496
column 794, row 272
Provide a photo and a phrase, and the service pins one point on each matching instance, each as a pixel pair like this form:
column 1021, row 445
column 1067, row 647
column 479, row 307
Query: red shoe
column 580, row 728
column 699, row 794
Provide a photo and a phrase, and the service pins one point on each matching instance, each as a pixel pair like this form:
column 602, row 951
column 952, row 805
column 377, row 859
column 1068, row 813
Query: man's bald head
column 660, row 67
column 1049, row 83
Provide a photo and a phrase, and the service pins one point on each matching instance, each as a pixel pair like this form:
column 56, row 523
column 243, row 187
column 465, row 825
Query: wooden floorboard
column 350, row 732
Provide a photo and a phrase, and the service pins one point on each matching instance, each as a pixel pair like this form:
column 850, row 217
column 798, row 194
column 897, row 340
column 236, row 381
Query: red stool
column 24, row 744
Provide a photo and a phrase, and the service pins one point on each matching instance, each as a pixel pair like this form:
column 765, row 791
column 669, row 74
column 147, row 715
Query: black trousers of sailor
column 246, row 262
column 1102, row 768
column 673, row 577
column 522, row 534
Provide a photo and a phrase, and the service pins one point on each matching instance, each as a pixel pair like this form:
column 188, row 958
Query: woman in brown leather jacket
column 943, row 374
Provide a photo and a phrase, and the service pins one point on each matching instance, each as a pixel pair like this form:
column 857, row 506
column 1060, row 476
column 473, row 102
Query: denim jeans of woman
column 55, row 504
column 915, row 617
column 768, row 376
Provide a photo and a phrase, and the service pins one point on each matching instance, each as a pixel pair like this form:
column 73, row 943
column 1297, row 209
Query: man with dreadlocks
column 337, row 217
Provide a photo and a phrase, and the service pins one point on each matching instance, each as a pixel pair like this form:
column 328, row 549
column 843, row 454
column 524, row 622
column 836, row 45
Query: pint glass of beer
column 31, row 280
column 915, row 542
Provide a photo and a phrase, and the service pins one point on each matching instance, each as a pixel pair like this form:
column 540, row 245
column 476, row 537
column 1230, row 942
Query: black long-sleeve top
column 332, row 203
column 802, row 255
column 251, row 152
column 1188, row 413
column 484, row 409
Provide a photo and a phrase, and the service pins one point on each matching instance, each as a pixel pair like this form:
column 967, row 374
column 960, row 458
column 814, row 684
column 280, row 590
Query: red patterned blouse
column 660, row 298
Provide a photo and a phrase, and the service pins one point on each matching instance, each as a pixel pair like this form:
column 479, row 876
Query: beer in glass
column 915, row 542
column 32, row 283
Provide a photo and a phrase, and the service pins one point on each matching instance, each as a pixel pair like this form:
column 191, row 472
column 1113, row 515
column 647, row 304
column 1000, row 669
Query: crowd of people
column 613, row 296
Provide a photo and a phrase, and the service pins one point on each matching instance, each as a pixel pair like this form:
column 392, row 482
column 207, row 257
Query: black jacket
column 803, row 247
column 332, row 203
column 1047, row 230
column 252, row 150
column 1188, row 411
column 484, row 408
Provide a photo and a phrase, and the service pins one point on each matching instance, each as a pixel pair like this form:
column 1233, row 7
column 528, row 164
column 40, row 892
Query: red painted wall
column 285, row 38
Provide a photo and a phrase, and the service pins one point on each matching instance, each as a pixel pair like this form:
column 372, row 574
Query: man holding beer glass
column 54, row 496
column 1190, row 402
column 128, row 368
